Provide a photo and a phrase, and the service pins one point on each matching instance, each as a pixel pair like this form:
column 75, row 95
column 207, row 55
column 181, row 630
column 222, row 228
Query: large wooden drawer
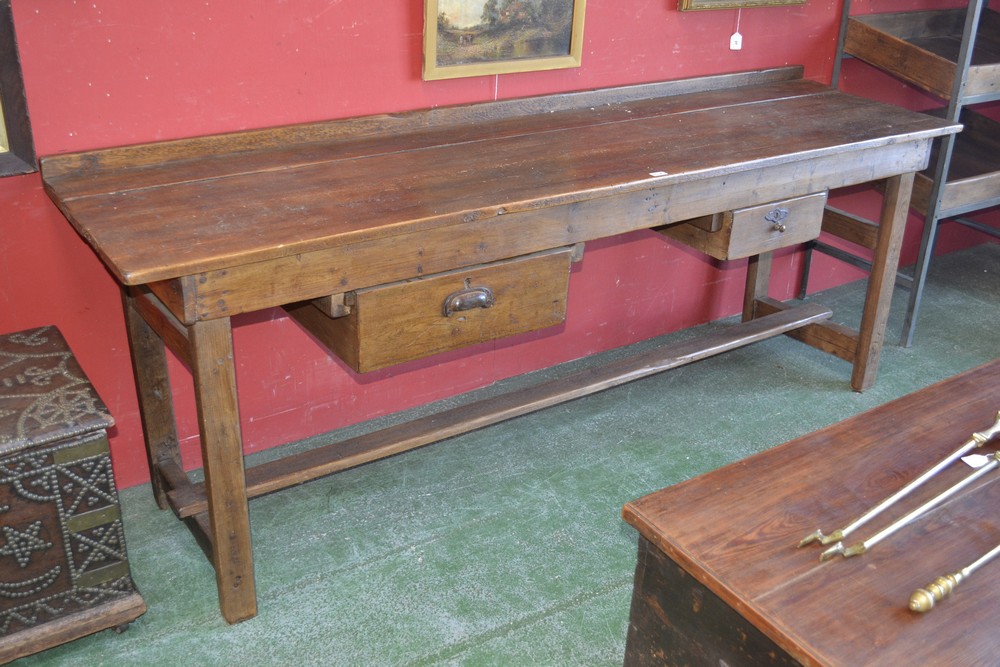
column 397, row 322
column 754, row 230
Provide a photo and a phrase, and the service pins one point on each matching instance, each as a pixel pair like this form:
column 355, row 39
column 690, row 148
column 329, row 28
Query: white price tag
column 976, row 460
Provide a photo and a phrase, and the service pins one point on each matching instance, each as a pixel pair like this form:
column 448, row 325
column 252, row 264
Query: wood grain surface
column 162, row 211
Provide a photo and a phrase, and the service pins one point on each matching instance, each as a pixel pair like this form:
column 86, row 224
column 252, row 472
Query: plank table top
column 165, row 210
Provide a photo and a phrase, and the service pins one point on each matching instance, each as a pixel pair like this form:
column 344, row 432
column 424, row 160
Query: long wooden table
column 728, row 540
column 329, row 218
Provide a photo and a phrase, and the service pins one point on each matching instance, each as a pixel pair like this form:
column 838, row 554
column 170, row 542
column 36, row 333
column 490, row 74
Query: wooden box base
column 700, row 629
column 116, row 613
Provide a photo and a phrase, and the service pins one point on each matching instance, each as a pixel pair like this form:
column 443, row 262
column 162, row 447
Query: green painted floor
column 506, row 546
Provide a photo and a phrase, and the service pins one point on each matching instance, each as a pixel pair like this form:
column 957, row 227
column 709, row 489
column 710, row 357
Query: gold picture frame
column 697, row 5
column 483, row 37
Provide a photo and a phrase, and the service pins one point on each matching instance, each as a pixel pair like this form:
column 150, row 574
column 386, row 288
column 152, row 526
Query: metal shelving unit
column 953, row 54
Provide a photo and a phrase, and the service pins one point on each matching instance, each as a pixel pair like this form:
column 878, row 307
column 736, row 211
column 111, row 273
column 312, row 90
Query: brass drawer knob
column 468, row 299
column 777, row 219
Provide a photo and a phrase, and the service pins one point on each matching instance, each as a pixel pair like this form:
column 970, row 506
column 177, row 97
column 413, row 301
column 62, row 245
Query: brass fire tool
column 862, row 547
column 977, row 440
column 923, row 599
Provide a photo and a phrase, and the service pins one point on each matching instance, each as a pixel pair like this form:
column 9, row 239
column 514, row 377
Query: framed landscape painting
column 477, row 37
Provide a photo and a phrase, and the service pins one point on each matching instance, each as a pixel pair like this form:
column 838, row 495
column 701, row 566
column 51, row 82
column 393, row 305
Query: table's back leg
column 758, row 280
column 149, row 363
column 222, row 452
column 871, row 334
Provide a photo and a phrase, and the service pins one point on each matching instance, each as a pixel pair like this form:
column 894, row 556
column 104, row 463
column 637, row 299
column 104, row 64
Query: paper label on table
column 976, row 460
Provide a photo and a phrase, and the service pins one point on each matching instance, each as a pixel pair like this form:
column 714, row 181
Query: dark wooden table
column 326, row 218
column 728, row 540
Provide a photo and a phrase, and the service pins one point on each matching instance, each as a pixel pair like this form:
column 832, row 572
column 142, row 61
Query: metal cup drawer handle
column 777, row 219
column 468, row 299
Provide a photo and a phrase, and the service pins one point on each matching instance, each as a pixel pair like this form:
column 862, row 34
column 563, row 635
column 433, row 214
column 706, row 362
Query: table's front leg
column 885, row 262
column 222, row 452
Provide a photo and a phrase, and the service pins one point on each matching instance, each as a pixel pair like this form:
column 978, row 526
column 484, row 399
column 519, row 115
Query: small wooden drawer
column 754, row 230
column 390, row 324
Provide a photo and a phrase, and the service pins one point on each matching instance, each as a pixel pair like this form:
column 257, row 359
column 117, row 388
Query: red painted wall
column 112, row 72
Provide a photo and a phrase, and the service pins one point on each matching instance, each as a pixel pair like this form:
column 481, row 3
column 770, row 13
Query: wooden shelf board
column 974, row 172
column 922, row 48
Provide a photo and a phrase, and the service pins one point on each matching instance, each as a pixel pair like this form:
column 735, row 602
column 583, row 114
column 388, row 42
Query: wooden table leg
column 222, row 452
column 871, row 334
column 758, row 280
column 156, row 407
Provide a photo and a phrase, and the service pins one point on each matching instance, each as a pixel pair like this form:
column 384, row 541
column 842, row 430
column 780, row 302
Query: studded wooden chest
column 64, row 570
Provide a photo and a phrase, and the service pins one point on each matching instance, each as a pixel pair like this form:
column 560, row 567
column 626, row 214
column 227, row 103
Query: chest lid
column 44, row 394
